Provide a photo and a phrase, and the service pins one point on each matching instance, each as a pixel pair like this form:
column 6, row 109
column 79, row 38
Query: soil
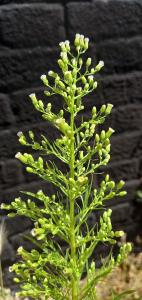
column 126, row 277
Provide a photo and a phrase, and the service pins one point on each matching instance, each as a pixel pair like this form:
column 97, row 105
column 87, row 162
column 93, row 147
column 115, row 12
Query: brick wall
column 29, row 34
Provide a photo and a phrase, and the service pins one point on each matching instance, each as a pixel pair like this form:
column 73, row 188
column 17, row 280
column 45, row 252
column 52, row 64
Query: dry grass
column 127, row 277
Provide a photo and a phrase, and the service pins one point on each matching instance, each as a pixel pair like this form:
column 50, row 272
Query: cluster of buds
column 38, row 104
column 78, row 186
column 102, row 142
column 80, row 42
column 29, row 160
column 106, row 233
column 65, row 46
column 125, row 249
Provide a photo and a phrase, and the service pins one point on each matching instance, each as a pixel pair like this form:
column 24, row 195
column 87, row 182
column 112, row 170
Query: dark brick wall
column 30, row 31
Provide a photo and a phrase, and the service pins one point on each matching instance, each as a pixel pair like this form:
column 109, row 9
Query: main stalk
column 72, row 208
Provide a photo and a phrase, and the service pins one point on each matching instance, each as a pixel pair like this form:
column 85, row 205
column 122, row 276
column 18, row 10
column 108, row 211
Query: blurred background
column 30, row 32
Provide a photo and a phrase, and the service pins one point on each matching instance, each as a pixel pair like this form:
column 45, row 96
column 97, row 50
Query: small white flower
column 18, row 155
column 10, row 269
column 19, row 250
column 2, row 206
column 50, row 73
column 33, row 232
column 101, row 63
column 43, row 77
column 19, row 133
column 32, row 96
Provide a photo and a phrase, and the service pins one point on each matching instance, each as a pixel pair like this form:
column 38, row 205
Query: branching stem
column 72, row 200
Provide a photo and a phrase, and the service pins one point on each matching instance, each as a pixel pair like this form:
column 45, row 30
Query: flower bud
column 108, row 109
column 47, row 93
column 77, row 39
column 99, row 66
column 109, row 212
column 17, row 280
column 107, row 178
column 86, row 43
column 51, row 73
column 31, row 135
column 61, row 64
column 95, row 85
column 120, row 184
column 61, row 84
column 92, row 71
column 64, row 57
column 29, row 170
column 18, row 155
column 94, row 110
column 20, row 249
column 34, row 100
column 68, row 76
column 41, row 105
column 19, row 133
column 82, row 180
column 103, row 135
column 111, row 184
column 109, row 132
column 129, row 247
column 90, row 79
column 97, row 138
column 44, row 79
column 67, row 44
column 122, row 193
column 83, row 79
column 62, row 45
column 88, row 62
column 81, row 41
column 86, row 87
column 80, row 62
column 81, row 154
column 103, row 108
column 119, row 233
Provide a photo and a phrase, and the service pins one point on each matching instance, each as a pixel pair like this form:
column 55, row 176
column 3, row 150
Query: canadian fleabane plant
column 48, row 272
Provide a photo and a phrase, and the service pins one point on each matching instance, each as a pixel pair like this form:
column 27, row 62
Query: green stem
column 72, row 214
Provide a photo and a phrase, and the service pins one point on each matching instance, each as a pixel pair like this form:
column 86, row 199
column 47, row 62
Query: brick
column 7, row 116
column 120, row 56
column 121, row 18
column 11, row 173
column 126, row 170
column 29, row 25
column 17, row 224
column 134, row 87
column 9, row 195
column 15, row 74
column 122, row 213
column 2, row 2
column 131, row 186
column 20, row 239
column 126, row 146
column 114, row 90
column 122, row 89
column 127, row 118
column 10, row 145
